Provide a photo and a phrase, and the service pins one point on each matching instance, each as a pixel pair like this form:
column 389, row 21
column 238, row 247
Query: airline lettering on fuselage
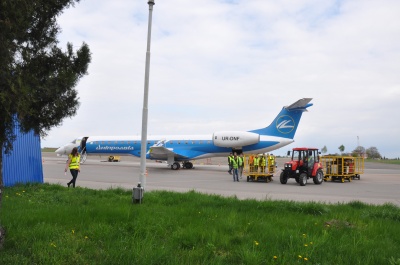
column 230, row 138
column 114, row 148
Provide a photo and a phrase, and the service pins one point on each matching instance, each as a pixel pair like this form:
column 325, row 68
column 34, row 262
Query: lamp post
column 143, row 149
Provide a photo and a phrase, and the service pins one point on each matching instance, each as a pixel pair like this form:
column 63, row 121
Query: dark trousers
column 74, row 173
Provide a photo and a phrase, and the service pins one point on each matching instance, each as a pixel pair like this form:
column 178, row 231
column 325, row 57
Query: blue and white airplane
column 180, row 149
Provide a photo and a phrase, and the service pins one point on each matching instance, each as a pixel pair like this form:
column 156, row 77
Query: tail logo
column 285, row 124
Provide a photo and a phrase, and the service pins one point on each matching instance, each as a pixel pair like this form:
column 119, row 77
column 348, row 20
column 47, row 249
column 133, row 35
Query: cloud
column 232, row 65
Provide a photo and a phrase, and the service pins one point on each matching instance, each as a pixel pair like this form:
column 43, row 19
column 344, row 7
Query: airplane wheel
column 188, row 165
column 175, row 166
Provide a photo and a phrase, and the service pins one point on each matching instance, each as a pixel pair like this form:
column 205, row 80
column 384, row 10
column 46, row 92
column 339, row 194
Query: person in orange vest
column 251, row 163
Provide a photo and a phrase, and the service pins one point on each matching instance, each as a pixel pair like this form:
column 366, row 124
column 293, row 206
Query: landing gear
column 185, row 164
column 83, row 157
column 175, row 166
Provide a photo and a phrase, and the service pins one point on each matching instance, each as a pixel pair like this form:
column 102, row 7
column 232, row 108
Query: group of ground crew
column 236, row 165
column 257, row 164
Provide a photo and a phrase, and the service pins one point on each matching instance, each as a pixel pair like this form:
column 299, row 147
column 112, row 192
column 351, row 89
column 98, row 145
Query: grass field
column 384, row 161
column 51, row 224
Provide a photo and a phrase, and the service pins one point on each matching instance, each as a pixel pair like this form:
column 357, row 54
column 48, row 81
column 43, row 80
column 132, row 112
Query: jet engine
column 235, row 138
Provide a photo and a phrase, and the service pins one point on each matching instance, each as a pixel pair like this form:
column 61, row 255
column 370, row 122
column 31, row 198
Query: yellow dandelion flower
column 304, row 235
column 300, row 256
column 305, row 259
column 311, row 243
column 275, row 257
column 73, row 231
column 305, row 245
column 255, row 242
column 86, row 237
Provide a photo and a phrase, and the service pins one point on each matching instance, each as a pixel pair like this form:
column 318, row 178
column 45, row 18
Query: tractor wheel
column 319, row 177
column 283, row 178
column 303, row 179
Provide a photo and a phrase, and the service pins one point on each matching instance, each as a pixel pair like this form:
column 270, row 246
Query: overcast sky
column 233, row 64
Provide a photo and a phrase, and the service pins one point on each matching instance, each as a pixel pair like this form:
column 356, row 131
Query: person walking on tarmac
column 73, row 164
column 241, row 165
column 229, row 163
column 235, row 165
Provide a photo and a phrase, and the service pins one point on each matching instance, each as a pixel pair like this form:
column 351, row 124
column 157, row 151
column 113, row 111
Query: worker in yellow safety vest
column 256, row 163
column 263, row 163
column 235, row 166
column 229, row 163
column 241, row 165
column 271, row 162
column 73, row 164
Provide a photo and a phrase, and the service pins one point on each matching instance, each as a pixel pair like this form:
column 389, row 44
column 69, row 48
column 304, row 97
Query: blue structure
column 24, row 164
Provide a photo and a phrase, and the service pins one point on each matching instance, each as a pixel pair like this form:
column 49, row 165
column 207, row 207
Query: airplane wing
column 162, row 153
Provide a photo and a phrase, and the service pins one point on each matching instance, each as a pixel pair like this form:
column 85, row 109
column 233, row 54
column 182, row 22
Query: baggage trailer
column 262, row 171
column 342, row 167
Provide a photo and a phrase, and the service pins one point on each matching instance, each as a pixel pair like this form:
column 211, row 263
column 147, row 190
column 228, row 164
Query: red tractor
column 304, row 165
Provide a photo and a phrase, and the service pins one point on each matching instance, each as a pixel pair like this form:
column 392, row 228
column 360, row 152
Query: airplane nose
column 60, row 151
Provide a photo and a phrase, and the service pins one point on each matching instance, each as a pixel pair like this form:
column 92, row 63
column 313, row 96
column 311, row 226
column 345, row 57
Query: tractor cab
column 303, row 165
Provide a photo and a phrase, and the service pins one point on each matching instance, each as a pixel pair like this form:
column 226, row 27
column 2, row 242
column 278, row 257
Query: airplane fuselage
column 193, row 147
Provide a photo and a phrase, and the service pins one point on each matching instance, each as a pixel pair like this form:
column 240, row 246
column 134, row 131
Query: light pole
column 143, row 149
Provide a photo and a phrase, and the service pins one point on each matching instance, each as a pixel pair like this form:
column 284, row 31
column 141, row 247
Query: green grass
column 384, row 161
column 49, row 149
column 50, row 224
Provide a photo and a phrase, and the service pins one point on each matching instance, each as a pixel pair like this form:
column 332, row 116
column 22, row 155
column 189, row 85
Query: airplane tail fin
column 285, row 124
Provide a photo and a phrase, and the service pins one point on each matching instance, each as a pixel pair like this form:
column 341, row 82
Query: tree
column 359, row 151
column 324, row 149
column 373, row 152
column 341, row 148
column 37, row 78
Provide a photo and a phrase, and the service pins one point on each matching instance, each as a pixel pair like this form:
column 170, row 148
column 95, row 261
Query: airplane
column 66, row 149
column 177, row 149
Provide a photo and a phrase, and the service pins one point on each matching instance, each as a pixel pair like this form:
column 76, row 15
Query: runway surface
column 378, row 185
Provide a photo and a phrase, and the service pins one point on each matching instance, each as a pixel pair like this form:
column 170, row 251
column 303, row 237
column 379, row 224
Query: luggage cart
column 260, row 172
column 342, row 168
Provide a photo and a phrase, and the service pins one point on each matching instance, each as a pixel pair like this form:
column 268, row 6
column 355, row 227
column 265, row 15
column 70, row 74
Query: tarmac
column 379, row 184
